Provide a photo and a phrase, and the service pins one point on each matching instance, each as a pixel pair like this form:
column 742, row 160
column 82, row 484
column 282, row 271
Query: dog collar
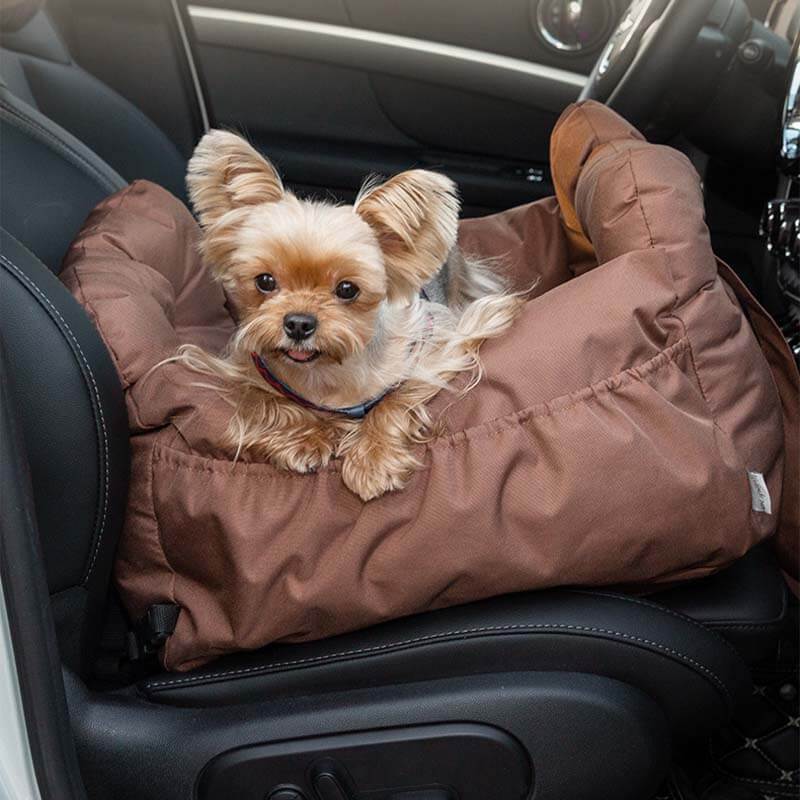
column 351, row 412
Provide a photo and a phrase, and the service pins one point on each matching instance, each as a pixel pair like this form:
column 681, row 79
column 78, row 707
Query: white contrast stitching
column 26, row 279
column 664, row 610
column 439, row 636
column 759, row 626
column 772, row 785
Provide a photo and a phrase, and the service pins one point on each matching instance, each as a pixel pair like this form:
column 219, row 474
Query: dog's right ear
column 226, row 172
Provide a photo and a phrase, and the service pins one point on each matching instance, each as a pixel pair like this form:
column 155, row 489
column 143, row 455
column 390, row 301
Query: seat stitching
column 441, row 636
column 96, row 394
column 60, row 146
column 707, row 626
column 747, row 626
column 657, row 607
column 639, row 201
column 756, row 781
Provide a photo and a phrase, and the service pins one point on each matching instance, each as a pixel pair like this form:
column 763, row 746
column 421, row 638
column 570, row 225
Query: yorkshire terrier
column 339, row 342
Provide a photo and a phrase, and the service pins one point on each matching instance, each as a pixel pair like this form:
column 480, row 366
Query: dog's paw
column 304, row 456
column 369, row 478
column 369, row 483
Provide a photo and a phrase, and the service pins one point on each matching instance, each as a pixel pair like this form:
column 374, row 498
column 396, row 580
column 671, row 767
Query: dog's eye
column 266, row 283
column 346, row 290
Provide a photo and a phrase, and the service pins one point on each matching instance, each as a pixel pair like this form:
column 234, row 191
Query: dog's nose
column 299, row 326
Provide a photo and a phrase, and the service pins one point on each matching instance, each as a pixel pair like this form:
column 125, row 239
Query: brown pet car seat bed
column 638, row 425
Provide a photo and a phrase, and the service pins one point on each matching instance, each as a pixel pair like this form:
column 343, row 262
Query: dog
column 338, row 348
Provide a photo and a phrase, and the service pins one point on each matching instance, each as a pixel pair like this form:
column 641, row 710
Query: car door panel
column 424, row 60
column 507, row 27
column 287, row 97
column 335, row 89
column 496, row 127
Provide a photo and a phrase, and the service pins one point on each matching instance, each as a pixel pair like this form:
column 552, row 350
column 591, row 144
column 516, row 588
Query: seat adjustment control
column 286, row 793
column 328, row 788
column 329, row 785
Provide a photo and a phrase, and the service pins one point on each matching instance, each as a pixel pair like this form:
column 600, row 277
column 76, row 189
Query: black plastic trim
column 581, row 731
column 194, row 82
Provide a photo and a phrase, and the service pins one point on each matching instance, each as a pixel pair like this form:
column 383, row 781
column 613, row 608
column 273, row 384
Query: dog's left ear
column 415, row 217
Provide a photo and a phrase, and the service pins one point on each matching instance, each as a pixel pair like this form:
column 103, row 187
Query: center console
column 781, row 222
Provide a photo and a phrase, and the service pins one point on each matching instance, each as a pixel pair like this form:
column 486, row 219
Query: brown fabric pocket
column 551, row 494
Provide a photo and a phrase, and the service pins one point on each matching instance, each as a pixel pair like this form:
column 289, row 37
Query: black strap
column 152, row 630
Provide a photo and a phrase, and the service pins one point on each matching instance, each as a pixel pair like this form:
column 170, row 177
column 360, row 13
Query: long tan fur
column 389, row 244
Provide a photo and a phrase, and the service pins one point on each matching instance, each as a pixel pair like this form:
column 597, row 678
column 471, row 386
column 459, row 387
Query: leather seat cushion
column 746, row 604
column 671, row 658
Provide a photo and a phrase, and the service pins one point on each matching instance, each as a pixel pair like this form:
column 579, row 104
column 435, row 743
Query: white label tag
column 759, row 492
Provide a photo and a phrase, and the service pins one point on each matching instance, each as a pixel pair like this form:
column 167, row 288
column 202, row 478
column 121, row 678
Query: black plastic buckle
column 152, row 630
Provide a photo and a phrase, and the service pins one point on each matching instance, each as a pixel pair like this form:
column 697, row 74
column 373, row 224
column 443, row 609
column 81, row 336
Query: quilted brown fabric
column 608, row 443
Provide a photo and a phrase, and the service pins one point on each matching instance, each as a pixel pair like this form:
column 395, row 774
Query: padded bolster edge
column 683, row 665
column 634, row 195
column 580, row 131
column 106, row 420
column 619, row 194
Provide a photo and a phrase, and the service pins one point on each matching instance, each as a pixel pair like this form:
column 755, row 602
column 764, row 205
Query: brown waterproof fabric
column 608, row 443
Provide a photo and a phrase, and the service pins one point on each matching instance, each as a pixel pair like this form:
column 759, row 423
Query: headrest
column 14, row 14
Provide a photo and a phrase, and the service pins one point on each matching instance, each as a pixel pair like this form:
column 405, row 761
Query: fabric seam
column 174, row 577
column 509, row 422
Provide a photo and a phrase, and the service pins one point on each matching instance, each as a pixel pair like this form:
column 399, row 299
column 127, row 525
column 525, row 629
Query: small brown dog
column 336, row 352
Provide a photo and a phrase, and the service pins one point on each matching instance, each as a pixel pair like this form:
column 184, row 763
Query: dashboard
column 573, row 26
column 580, row 26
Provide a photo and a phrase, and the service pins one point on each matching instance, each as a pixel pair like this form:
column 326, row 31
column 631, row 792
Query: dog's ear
column 226, row 172
column 415, row 217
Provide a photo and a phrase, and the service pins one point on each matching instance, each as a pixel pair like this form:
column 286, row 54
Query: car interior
column 686, row 693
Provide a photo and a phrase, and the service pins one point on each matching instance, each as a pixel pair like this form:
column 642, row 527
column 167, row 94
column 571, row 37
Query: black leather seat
column 745, row 604
column 649, row 643
column 588, row 686
column 37, row 69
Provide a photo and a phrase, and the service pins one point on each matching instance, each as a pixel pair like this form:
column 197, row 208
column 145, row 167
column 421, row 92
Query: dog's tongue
column 301, row 355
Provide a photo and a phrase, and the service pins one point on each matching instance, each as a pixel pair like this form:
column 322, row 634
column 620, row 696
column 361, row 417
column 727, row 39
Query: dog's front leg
column 302, row 445
column 378, row 455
